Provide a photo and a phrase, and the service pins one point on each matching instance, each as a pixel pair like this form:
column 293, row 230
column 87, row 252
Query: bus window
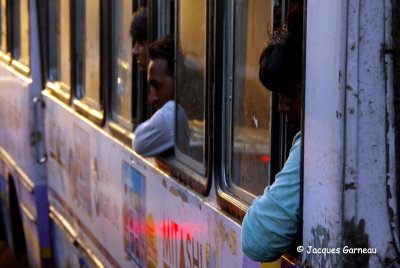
column 65, row 44
column 59, row 49
column 247, row 103
column 18, row 39
column 59, row 43
column 91, row 63
column 191, row 80
column 86, row 35
column 24, row 56
column 121, row 94
column 3, row 26
column 53, row 34
column 162, row 18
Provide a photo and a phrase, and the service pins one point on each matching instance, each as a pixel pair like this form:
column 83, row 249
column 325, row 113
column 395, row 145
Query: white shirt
column 157, row 134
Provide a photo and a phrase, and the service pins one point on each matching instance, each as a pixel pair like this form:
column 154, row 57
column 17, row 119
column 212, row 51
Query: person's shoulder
column 166, row 110
column 169, row 105
column 297, row 139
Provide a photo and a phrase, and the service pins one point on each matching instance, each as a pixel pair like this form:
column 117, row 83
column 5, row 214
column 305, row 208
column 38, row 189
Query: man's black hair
column 163, row 49
column 281, row 62
column 138, row 29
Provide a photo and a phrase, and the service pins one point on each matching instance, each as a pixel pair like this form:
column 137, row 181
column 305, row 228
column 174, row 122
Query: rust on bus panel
column 178, row 193
column 355, row 237
column 321, row 239
column 226, row 235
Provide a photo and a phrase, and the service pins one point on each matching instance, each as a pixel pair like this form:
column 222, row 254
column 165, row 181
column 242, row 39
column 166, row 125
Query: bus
column 23, row 177
column 75, row 194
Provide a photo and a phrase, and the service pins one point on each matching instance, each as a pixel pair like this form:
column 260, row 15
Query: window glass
column 122, row 89
column 92, row 51
column 13, row 31
column 24, row 32
column 60, row 42
column 249, row 104
column 190, row 88
column 53, row 34
column 77, row 42
column 65, row 43
column 3, row 25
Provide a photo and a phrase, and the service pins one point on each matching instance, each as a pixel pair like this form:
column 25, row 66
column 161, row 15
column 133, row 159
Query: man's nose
column 152, row 96
column 135, row 50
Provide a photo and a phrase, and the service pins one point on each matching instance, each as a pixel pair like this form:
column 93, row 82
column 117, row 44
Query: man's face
column 161, row 83
column 290, row 106
column 141, row 52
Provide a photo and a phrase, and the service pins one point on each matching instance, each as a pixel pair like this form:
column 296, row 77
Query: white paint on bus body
column 347, row 127
column 131, row 214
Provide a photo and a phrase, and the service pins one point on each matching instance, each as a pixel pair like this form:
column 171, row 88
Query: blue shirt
column 272, row 221
column 156, row 135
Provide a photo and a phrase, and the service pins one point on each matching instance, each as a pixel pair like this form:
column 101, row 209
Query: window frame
column 121, row 128
column 198, row 180
column 82, row 104
column 5, row 54
column 52, row 72
column 13, row 37
column 198, row 167
column 54, row 14
column 396, row 91
column 235, row 201
column 228, row 148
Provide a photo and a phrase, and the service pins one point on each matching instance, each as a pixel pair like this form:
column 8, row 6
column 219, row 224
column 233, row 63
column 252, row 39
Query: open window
column 191, row 84
column 253, row 135
column 193, row 46
column 123, row 80
column 128, row 104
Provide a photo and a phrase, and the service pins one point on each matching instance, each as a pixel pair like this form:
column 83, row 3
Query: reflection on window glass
column 24, row 31
column 3, row 25
column 53, row 34
column 122, row 89
column 92, row 51
column 60, row 42
column 191, row 82
column 77, row 50
column 65, row 44
column 248, row 153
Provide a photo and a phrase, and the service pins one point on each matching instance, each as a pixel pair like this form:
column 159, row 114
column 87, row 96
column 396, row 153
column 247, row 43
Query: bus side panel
column 31, row 238
column 14, row 116
column 323, row 137
column 17, row 150
column 33, row 211
column 66, row 255
column 126, row 211
column 43, row 223
column 5, row 217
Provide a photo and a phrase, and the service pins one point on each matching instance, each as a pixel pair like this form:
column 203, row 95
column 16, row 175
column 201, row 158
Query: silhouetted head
column 160, row 74
column 138, row 33
column 281, row 72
